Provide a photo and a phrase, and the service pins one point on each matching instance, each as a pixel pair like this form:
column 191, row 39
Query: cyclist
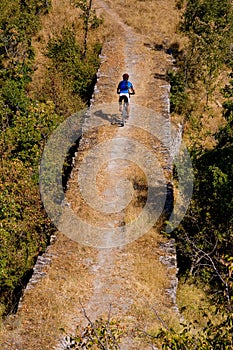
column 125, row 89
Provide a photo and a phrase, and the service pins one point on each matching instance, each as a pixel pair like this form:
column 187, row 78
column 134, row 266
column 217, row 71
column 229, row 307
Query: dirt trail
column 130, row 52
column 131, row 278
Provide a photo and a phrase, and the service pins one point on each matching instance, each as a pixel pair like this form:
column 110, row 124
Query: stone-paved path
column 113, row 270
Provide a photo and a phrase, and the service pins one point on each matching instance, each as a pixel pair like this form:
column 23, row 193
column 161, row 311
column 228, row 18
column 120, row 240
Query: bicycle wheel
column 124, row 114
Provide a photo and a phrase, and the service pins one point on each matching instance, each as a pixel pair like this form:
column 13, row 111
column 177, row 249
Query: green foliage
column 19, row 20
column 31, row 130
column 98, row 335
column 199, row 14
column 179, row 4
column 90, row 20
column 209, row 26
column 205, row 239
column 77, row 71
column 24, row 228
column 205, row 235
column 178, row 94
column 109, row 334
column 212, row 337
column 225, row 134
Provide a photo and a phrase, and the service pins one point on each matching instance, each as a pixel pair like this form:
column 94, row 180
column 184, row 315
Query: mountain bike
column 124, row 113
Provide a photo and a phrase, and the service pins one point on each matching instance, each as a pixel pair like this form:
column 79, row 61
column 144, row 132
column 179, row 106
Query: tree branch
column 92, row 326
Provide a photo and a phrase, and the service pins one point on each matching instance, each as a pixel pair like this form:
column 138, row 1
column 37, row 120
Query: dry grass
column 51, row 306
column 206, row 120
column 63, row 14
column 152, row 278
column 45, row 83
column 193, row 304
column 156, row 20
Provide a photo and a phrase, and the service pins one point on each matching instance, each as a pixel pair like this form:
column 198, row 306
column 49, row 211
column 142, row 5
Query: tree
column 90, row 20
column 208, row 25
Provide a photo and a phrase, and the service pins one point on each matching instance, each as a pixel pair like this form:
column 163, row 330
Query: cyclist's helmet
column 125, row 76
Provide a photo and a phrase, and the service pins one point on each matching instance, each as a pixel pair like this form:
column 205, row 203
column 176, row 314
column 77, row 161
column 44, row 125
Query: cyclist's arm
column 132, row 91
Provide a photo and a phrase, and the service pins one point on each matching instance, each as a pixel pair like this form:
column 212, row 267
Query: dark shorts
column 123, row 98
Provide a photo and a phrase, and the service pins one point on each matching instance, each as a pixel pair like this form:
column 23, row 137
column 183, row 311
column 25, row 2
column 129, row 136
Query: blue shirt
column 124, row 86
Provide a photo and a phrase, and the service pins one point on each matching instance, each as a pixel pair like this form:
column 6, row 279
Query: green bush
column 77, row 71
column 212, row 337
column 97, row 335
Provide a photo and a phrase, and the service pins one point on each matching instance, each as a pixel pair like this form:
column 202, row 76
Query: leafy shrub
column 77, row 71
column 208, row 26
column 212, row 337
column 178, row 94
column 98, row 335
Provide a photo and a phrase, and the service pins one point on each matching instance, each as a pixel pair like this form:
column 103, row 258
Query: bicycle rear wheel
column 124, row 113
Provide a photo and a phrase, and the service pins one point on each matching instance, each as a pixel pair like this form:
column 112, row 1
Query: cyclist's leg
column 127, row 109
column 125, row 113
column 120, row 103
column 127, row 106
